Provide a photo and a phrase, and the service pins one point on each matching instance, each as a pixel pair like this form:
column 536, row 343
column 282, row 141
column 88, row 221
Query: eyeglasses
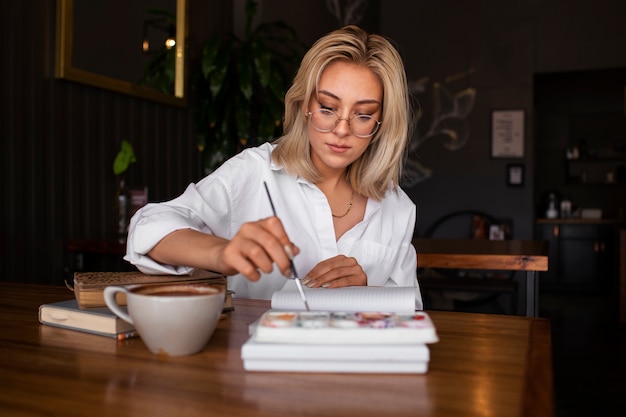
column 361, row 125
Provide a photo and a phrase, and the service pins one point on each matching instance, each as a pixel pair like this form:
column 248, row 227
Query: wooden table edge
column 519, row 255
column 538, row 397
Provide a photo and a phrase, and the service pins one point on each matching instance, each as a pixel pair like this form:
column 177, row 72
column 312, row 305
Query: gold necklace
column 347, row 211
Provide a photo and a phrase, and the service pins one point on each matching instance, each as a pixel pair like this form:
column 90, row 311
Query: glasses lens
column 326, row 120
column 363, row 126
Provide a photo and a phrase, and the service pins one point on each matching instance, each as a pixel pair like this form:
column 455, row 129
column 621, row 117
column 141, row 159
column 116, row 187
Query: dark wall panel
column 59, row 140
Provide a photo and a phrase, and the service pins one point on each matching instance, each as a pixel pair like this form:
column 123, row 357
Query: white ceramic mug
column 171, row 319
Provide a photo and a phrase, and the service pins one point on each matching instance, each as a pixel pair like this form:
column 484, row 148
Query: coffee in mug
column 171, row 319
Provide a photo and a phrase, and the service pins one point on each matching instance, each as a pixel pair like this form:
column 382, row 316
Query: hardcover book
column 100, row 321
column 254, row 350
column 330, row 357
column 380, row 367
column 340, row 341
column 89, row 286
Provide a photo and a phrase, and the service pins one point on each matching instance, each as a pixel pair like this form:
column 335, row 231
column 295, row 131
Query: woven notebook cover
column 89, row 286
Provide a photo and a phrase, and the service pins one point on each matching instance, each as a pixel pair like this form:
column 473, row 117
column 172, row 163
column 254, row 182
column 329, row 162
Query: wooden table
column 511, row 255
column 484, row 365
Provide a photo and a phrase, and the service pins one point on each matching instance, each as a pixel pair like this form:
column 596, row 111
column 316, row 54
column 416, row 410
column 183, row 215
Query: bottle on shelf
column 566, row 208
column 552, row 212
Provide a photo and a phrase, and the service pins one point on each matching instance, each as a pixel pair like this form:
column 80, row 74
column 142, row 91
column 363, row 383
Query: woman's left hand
column 339, row 271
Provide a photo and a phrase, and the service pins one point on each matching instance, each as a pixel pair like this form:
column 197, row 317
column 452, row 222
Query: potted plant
column 122, row 161
column 240, row 87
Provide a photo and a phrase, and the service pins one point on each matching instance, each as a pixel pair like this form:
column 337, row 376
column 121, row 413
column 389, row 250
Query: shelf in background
column 581, row 221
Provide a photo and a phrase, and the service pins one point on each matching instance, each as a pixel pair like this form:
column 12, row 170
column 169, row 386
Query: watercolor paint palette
column 319, row 327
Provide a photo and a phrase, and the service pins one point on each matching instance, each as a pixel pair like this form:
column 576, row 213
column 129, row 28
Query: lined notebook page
column 388, row 299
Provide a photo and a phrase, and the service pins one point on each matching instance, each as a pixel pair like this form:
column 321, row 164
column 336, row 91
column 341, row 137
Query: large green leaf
column 124, row 158
column 251, row 10
column 209, row 55
column 262, row 62
column 243, row 121
column 276, row 87
column 267, row 124
column 245, row 72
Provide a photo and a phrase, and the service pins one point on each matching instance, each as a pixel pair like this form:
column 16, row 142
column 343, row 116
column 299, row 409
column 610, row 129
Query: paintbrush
column 290, row 255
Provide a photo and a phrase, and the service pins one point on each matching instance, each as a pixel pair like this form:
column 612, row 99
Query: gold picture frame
column 65, row 68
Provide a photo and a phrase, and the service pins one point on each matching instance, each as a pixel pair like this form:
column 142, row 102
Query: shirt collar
column 276, row 167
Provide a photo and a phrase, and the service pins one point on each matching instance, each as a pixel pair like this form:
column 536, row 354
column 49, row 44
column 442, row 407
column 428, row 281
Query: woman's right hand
column 256, row 247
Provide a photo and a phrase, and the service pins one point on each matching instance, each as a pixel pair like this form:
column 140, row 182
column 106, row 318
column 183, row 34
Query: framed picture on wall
column 507, row 134
column 515, row 175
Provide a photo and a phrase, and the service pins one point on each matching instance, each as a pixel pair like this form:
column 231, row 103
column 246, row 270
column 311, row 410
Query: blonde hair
column 380, row 166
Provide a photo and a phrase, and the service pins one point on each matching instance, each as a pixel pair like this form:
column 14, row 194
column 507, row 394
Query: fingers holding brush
column 257, row 247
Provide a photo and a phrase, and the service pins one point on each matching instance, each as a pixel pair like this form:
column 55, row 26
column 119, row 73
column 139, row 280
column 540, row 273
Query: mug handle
column 111, row 302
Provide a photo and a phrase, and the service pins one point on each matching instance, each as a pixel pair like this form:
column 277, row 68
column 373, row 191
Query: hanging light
column 170, row 42
column 162, row 25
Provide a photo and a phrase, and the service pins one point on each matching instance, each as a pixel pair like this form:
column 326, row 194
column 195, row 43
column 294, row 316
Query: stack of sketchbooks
column 356, row 330
column 87, row 311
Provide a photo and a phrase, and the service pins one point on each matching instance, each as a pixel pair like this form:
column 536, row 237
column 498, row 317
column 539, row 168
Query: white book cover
column 334, row 353
column 335, row 366
column 390, row 299
column 101, row 321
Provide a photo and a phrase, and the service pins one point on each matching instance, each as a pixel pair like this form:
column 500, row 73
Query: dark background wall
column 59, row 138
column 577, row 110
column 500, row 47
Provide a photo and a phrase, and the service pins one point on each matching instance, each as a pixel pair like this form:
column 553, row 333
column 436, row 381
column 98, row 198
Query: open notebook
column 352, row 299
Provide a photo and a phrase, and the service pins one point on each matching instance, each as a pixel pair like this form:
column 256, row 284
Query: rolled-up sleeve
column 155, row 221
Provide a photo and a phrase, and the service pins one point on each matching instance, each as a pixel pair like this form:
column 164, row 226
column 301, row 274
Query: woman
column 333, row 178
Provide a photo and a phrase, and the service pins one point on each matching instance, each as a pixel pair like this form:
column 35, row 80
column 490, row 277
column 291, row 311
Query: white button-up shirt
column 234, row 194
